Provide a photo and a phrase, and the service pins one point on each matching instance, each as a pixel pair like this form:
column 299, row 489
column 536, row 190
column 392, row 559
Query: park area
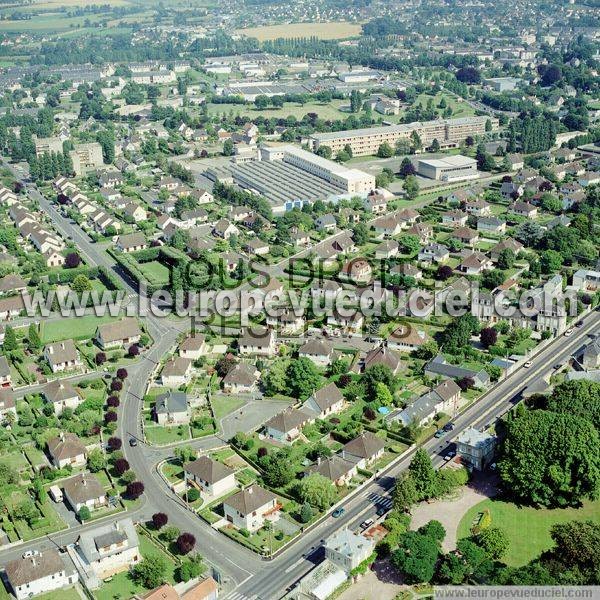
column 528, row 528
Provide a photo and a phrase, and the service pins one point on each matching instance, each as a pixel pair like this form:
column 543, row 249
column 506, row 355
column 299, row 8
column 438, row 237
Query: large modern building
column 448, row 132
column 448, row 168
column 290, row 177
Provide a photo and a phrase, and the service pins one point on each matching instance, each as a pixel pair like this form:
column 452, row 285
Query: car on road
column 450, row 455
column 132, row 442
column 557, row 366
column 381, row 511
column 569, row 332
column 448, row 426
column 439, row 433
column 338, row 512
column 527, row 365
column 366, row 524
column 579, row 324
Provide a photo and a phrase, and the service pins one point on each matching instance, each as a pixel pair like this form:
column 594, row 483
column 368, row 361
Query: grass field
column 528, row 528
column 330, row 111
column 155, row 272
column 324, row 31
column 63, row 594
column 78, row 328
column 224, row 405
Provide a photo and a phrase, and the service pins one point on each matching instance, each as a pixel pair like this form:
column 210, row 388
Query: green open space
column 77, row 328
column 528, row 528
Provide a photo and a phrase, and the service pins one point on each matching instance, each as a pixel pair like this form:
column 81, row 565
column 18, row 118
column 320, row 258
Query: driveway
column 450, row 511
column 251, row 416
column 383, row 583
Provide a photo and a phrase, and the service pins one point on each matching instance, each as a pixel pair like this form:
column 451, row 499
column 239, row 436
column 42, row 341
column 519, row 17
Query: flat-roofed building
column 448, row 133
column 448, row 168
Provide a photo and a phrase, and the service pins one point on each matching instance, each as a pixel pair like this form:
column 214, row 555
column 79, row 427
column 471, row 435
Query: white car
column 527, row 364
column 568, row 332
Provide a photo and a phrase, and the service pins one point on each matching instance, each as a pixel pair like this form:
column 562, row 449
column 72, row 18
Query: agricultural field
column 324, row 31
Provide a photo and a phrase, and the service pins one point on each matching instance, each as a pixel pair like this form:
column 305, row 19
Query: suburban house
column 475, row 263
column 249, row 508
column 357, row 270
column 524, row 209
column 508, row 243
column 286, row 426
column 259, row 341
column 12, row 284
column 445, row 398
column 591, row 355
column 382, row 355
column 407, row 338
column 67, row 449
column 172, row 409
column 109, row 549
column 7, row 405
column 62, row 356
column 326, row 401
column 491, row 225
column 387, row 249
column 132, row 242
column 455, row 218
column 475, row 447
column 212, row 478
column 194, row 347
column 433, row 252
column 225, row 229
column 84, row 490
column 118, row 333
column 207, row 589
column 61, row 394
column 338, row 470
column 177, row 371
column 39, row 573
column 439, row 367
column 321, row 353
column 466, row 235
column 363, row 450
column 241, row 379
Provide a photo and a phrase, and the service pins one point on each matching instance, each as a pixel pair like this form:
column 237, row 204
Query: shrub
column 134, row 490
column 192, row 495
column 185, row 543
column 122, row 373
column 116, row 385
column 114, row 443
column 133, row 350
column 262, row 451
column 121, row 466
column 244, row 532
column 159, row 520
column 100, row 358
column 110, row 417
column 113, row 401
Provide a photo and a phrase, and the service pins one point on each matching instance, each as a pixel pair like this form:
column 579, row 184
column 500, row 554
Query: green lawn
column 123, row 586
column 155, row 272
column 78, row 328
column 167, row 435
column 224, row 405
column 63, row 594
column 528, row 528
column 328, row 111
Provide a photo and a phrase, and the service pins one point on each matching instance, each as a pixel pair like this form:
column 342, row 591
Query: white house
column 39, row 573
column 249, row 508
column 172, row 409
column 84, row 490
column 286, row 426
column 67, row 449
column 210, row 477
column 109, row 549
column 326, row 401
column 176, row 372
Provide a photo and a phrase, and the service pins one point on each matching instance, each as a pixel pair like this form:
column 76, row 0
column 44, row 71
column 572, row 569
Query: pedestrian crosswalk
column 380, row 501
column 237, row 596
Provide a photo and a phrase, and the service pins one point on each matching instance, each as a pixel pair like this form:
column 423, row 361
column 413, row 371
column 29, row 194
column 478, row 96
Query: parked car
column 338, row 512
column 439, row 433
column 366, row 524
column 527, row 365
column 569, row 332
column 449, row 426
column 381, row 511
column 132, row 442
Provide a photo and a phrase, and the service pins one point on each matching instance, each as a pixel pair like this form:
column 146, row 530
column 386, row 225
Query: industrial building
column 448, row 132
column 290, row 177
column 448, row 168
